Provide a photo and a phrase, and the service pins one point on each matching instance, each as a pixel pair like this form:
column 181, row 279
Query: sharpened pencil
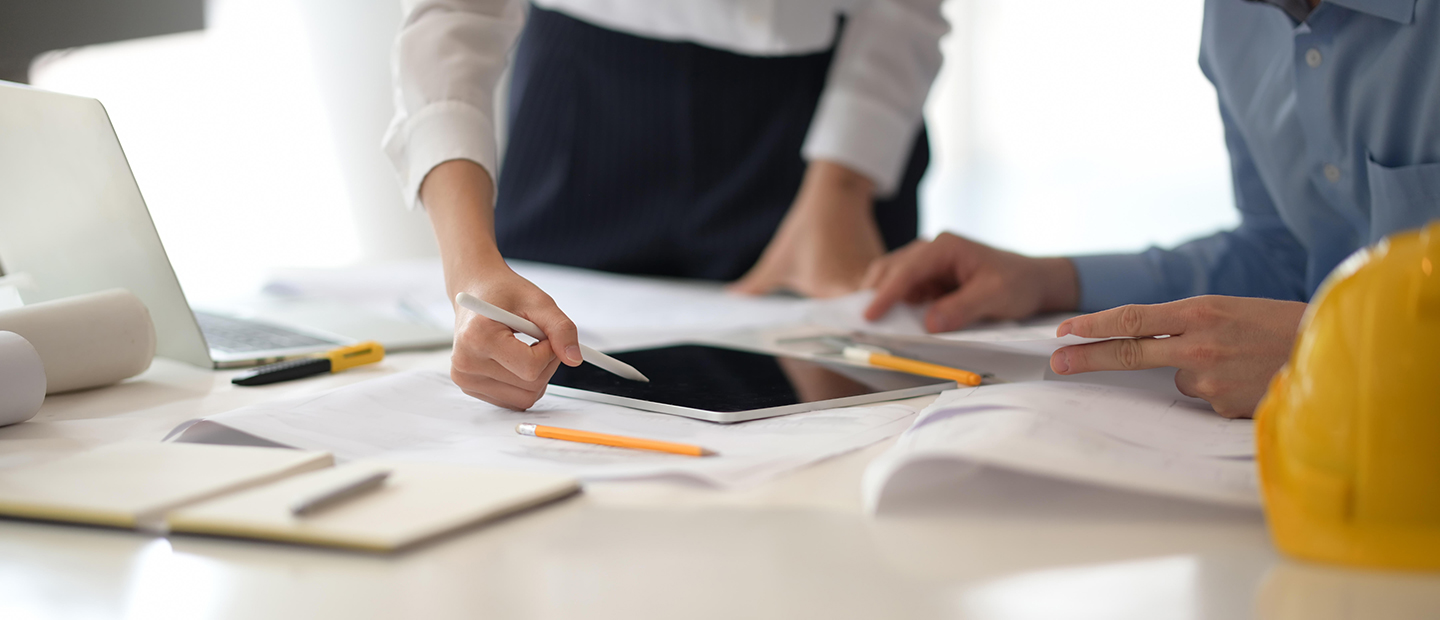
column 619, row 441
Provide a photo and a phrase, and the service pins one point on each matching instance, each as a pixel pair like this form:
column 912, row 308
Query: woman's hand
column 1227, row 348
column 488, row 362
column 826, row 241
column 492, row 365
column 969, row 281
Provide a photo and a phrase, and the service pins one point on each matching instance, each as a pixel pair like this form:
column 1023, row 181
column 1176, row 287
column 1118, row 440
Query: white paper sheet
column 905, row 322
column 1142, row 417
column 847, row 314
column 620, row 311
column 969, row 427
column 612, row 311
column 423, row 416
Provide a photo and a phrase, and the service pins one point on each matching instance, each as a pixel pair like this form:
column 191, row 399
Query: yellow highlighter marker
column 333, row 361
column 619, row 441
column 884, row 359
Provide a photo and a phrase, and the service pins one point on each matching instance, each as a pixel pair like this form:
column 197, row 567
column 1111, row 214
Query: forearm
column 457, row 196
column 835, row 188
column 1247, row 262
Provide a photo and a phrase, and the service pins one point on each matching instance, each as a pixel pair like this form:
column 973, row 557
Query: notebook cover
column 417, row 502
column 133, row 484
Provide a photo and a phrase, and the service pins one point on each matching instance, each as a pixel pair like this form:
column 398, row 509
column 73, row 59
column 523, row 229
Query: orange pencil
column 884, row 359
column 619, row 441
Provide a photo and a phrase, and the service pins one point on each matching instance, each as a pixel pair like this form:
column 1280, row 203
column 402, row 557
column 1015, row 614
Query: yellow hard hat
column 1349, row 432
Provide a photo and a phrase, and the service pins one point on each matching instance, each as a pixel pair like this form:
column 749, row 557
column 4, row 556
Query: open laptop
column 73, row 220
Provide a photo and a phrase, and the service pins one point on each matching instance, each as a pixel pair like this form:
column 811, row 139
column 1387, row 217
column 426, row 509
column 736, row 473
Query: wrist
column 472, row 271
column 1061, row 285
column 830, row 187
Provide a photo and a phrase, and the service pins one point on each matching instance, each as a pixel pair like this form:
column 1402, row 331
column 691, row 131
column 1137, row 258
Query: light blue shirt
column 1333, row 128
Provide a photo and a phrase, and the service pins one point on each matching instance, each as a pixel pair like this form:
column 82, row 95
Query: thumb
column 560, row 331
column 960, row 308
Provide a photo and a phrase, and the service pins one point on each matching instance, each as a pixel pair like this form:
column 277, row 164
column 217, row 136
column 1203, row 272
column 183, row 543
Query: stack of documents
column 423, row 416
column 1139, row 440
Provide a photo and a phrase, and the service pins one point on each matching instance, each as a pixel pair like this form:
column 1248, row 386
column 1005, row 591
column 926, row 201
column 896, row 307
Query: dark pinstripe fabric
column 640, row 156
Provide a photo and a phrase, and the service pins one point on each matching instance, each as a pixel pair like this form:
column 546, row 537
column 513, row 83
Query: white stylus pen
column 480, row 307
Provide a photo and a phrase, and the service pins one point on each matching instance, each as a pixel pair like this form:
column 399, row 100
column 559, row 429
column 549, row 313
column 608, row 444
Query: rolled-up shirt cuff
column 1109, row 280
column 864, row 135
column 437, row 133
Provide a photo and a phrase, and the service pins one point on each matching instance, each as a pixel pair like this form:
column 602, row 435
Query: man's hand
column 968, row 282
column 826, row 240
column 488, row 362
column 1227, row 348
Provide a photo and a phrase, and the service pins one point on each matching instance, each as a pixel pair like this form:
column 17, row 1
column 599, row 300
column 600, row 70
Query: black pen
column 333, row 361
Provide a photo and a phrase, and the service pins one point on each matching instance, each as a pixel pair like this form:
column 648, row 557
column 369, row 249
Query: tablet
column 730, row 385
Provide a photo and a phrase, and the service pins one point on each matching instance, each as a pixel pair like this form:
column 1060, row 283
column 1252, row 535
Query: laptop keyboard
column 233, row 335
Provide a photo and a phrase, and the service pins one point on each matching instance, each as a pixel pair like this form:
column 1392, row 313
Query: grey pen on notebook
column 499, row 315
column 329, row 497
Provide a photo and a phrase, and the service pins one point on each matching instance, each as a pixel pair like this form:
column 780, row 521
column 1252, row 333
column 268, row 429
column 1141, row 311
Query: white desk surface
column 1003, row 546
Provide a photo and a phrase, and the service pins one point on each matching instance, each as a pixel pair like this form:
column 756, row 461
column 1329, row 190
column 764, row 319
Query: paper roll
column 22, row 379
column 88, row 340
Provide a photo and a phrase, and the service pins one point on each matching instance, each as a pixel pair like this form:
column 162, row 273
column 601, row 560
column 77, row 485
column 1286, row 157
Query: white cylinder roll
column 22, row 379
column 88, row 340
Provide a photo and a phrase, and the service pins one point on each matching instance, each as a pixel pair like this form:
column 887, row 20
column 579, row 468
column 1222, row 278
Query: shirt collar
column 1402, row 11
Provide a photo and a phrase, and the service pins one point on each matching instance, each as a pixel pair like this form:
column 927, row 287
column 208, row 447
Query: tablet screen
column 726, row 380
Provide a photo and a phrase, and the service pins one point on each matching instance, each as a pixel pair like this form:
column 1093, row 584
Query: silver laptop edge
column 72, row 218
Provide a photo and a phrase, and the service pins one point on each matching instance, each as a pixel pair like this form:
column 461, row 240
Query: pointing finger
column 1133, row 320
column 1120, row 354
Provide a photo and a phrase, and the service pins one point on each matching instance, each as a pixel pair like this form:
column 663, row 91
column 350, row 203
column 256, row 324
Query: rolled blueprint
column 88, row 340
column 22, row 379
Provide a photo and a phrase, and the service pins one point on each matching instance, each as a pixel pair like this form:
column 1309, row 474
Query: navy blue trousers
column 633, row 155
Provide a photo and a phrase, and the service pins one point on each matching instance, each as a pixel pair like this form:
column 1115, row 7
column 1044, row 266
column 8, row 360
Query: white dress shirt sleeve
column 875, row 95
column 447, row 60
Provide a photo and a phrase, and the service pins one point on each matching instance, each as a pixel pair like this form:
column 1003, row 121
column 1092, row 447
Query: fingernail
column 1060, row 362
column 1063, row 331
column 572, row 353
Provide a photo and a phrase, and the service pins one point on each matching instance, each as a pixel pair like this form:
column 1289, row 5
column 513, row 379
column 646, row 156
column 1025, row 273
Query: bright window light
column 1076, row 127
column 226, row 136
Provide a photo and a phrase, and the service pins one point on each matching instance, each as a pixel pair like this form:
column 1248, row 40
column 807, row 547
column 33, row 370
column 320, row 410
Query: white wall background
column 1058, row 127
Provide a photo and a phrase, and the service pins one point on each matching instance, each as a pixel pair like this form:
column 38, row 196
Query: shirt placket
column 1331, row 165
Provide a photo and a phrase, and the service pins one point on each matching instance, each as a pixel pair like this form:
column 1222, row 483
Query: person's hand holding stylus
column 523, row 326
column 488, row 363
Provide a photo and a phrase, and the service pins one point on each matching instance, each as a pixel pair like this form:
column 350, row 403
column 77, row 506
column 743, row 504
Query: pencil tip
column 704, row 452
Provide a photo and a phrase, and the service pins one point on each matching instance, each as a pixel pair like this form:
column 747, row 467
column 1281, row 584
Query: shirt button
column 1312, row 58
column 1332, row 173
